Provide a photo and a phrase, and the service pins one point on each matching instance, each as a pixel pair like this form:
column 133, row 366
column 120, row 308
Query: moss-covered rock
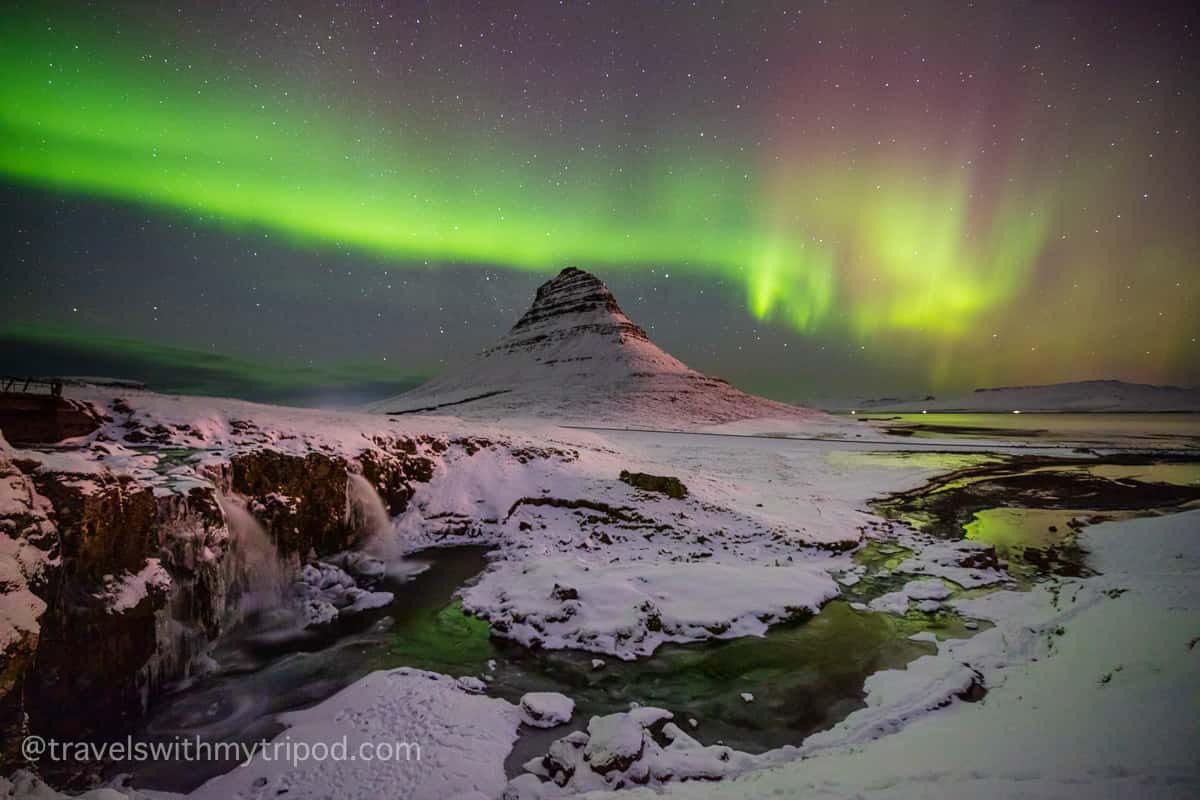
column 663, row 484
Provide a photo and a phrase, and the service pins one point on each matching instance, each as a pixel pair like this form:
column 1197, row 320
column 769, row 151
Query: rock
column 614, row 742
column 316, row 483
column 524, row 787
column 927, row 589
column 366, row 569
column 546, row 709
column 363, row 600
column 975, row 690
column 318, row 612
column 622, row 750
column 663, row 484
column 319, row 576
column 472, row 684
column 32, row 418
column 977, row 555
column 323, row 586
column 561, row 758
column 564, row 593
column 393, row 469
column 890, row 603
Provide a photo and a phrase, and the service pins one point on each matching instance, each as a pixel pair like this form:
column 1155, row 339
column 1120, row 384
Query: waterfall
column 365, row 510
column 257, row 576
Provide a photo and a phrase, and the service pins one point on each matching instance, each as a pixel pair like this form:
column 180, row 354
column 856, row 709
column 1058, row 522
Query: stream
column 805, row 676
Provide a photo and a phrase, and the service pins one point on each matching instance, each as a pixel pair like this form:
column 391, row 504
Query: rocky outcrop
column 640, row 747
column 130, row 581
column 663, row 484
column 395, row 468
column 573, row 304
column 139, row 573
column 28, row 418
column 300, row 500
column 106, row 523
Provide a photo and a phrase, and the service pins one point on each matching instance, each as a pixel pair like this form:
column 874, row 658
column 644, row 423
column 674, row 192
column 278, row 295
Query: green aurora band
column 898, row 252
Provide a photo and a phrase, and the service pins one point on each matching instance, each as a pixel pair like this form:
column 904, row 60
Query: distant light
column 853, row 412
column 1016, row 412
column 923, row 411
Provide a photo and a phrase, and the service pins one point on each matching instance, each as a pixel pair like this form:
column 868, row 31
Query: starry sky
column 321, row 202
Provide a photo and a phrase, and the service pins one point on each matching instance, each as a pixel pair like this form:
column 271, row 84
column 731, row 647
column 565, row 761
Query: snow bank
column 926, row 591
column 124, row 592
column 621, row 750
column 327, row 592
column 546, row 709
column 628, row 610
column 968, row 563
column 463, row 739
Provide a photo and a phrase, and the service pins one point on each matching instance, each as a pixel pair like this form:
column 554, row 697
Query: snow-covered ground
column 1091, row 683
column 1093, row 692
column 456, row 743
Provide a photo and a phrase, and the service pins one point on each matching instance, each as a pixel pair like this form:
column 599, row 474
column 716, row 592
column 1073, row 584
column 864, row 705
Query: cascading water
column 257, row 573
column 365, row 510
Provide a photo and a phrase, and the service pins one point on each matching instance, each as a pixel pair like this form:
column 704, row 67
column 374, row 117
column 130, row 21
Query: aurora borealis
column 859, row 197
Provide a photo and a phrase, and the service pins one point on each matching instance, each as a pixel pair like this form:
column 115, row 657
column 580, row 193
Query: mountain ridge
column 575, row 356
column 1090, row 396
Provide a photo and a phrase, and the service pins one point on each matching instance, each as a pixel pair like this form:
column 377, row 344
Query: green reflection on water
column 908, row 459
column 1012, row 530
column 804, row 676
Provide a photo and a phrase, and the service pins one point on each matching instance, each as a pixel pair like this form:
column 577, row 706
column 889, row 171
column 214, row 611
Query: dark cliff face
column 28, row 418
column 315, row 521
column 92, row 668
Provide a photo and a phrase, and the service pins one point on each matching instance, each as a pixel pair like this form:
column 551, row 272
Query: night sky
column 316, row 202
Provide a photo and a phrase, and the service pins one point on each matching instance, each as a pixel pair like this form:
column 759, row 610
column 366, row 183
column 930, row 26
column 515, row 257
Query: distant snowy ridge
column 575, row 356
column 1079, row 397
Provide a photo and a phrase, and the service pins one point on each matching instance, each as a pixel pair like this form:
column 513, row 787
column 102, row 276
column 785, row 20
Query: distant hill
column 575, row 356
column 1080, row 396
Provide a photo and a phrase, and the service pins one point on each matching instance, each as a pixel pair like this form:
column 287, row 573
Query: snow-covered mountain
column 1080, row 396
column 575, row 356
